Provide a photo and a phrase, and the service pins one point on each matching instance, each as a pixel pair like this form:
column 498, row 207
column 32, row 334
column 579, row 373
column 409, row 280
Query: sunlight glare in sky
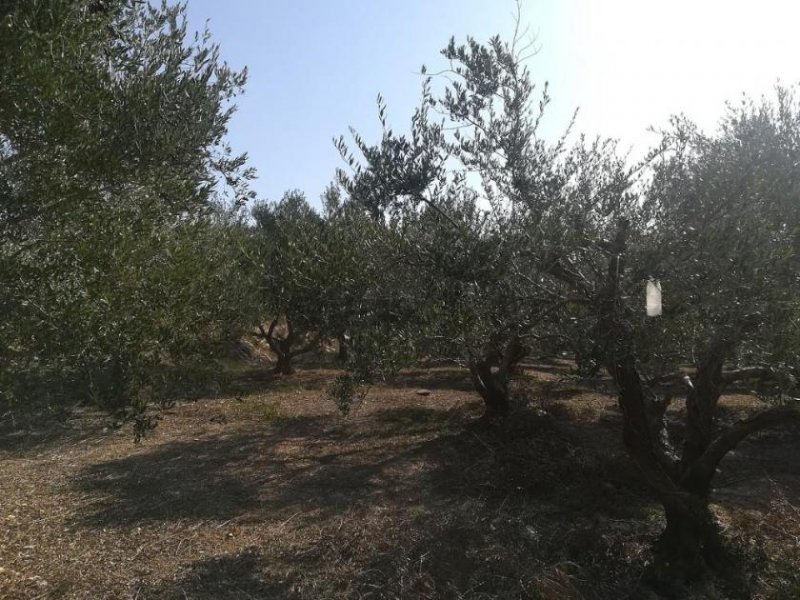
column 639, row 62
column 316, row 66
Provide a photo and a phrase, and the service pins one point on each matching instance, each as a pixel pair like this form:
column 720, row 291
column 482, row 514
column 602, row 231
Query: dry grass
column 269, row 493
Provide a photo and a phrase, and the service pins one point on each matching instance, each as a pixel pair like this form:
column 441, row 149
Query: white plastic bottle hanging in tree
column 653, row 298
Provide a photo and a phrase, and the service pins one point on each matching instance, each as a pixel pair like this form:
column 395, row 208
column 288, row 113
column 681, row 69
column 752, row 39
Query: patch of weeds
column 410, row 419
column 770, row 547
column 347, row 393
column 267, row 411
column 270, row 412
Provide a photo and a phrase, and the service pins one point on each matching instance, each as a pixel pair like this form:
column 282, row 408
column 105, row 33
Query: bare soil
column 270, row 493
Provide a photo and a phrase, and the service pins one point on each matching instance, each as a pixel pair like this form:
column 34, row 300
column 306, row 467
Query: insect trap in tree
column 653, row 298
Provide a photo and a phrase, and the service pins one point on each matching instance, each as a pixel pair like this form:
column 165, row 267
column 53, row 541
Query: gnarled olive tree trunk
column 491, row 373
column 690, row 543
column 342, row 354
column 680, row 476
column 284, row 346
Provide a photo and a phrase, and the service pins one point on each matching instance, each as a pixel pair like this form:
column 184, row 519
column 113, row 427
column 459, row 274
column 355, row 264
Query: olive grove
column 519, row 244
column 129, row 256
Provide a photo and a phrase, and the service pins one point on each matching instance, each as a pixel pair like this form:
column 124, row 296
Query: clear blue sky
column 316, row 66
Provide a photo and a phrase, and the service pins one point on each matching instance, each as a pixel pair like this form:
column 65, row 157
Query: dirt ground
column 269, row 492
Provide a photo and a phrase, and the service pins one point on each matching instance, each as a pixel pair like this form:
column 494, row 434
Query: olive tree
column 718, row 226
column 290, row 231
column 570, row 234
column 323, row 275
column 356, row 285
column 477, row 200
column 120, row 237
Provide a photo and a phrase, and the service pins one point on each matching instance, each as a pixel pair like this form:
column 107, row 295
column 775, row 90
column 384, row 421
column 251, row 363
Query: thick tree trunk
column 690, row 544
column 701, row 401
column 107, row 383
column 493, row 388
column 342, row 355
column 281, row 346
column 284, row 364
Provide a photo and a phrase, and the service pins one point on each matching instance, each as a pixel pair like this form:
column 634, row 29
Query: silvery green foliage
column 327, row 275
column 715, row 220
column 479, row 203
column 290, row 232
column 727, row 234
column 717, row 223
column 121, row 238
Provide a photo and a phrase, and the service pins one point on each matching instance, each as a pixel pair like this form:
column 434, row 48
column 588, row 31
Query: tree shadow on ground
column 42, row 425
column 48, row 409
column 51, row 421
column 458, row 379
column 411, row 502
column 440, row 378
column 761, row 468
column 305, row 463
column 310, row 463
column 210, row 478
column 487, row 511
column 254, row 380
column 228, row 577
column 555, row 393
column 520, row 509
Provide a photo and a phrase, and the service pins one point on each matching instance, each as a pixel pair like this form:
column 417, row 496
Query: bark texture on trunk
column 680, row 474
column 284, row 364
column 284, row 346
column 281, row 346
column 493, row 388
column 690, row 545
column 342, row 354
column 491, row 373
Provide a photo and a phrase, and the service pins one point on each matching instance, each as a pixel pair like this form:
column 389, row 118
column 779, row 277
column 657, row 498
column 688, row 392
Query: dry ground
column 270, row 493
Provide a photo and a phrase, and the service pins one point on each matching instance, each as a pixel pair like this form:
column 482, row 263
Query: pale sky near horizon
column 316, row 66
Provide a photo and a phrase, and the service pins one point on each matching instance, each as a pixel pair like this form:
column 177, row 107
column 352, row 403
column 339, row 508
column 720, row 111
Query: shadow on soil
column 417, row 502
column 761, row 469
column 68, row 417
column 441, row 378
column 229, row 577
column 411, row 502
column 43, row 425
column 400, row 504
column 260, row 379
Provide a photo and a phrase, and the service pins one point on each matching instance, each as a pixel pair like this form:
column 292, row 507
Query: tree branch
column 307, row 348
column 702, row 470
column 575, row 279
column 730, row 376
column 267, row 335
column 746, row 373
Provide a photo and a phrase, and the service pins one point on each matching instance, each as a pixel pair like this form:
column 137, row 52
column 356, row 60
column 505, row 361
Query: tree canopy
column 120, row 194
column 521, row 244
column 127, row 252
